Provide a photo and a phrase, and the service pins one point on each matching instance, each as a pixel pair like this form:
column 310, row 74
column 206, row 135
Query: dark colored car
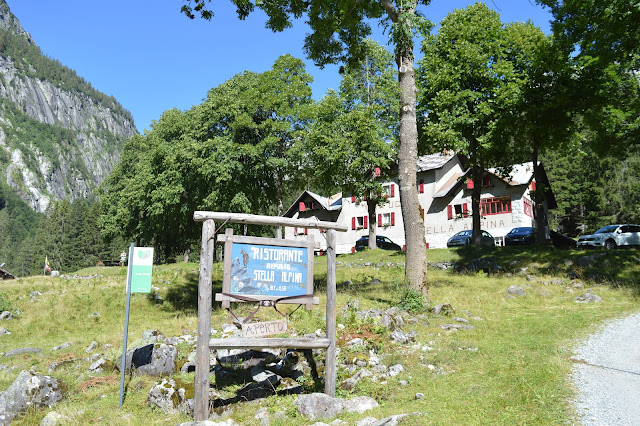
column 520, row 236
column 381, row 242
column 463, row 238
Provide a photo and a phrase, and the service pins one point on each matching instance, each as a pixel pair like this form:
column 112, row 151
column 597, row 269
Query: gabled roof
column 330, row 204
column 436, row 161
column 520, row 174
column 6, row 275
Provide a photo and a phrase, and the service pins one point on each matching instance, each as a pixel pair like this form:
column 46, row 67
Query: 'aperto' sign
column 141, row 269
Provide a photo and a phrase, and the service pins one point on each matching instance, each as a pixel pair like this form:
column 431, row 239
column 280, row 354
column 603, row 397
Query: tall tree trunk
column 280, row 206
column 414, row 231
column 476, row 192
column 371, row 210
column 539, row 196
column 415, row 268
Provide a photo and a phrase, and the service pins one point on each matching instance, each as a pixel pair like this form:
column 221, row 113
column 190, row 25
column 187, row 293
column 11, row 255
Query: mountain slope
column 59, row 137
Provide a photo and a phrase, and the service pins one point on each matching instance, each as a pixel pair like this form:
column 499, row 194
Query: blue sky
column 152, row 58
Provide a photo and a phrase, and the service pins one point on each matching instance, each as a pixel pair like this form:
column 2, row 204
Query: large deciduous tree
column 602, row 37
column 337, row 29
column 351, row 138
column 467, row 85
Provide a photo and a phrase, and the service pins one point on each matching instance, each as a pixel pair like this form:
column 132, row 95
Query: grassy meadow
column 510, row 368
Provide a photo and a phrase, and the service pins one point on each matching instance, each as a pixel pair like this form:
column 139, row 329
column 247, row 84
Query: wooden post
column 330, row 363
column 201, row 384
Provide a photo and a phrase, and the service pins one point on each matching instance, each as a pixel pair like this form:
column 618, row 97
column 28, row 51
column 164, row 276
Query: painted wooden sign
column 265, row 328
column 266, row 268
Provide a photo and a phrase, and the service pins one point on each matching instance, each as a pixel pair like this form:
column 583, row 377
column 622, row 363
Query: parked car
column 463, row 238
column 612, row 236
column 520, row 236
column 381, row 242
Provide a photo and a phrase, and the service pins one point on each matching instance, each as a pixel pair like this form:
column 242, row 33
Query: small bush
column 412, row 301
column 5, row 305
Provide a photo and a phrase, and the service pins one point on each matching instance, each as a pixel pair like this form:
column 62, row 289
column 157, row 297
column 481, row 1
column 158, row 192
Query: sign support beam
column 201, row 396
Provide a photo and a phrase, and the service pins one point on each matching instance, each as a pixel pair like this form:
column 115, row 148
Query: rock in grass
column 21, row 351
column 319, row 406
column 515, row 290
column 172, row 396
column 587, row 297
column 29, row 390
column 54, row 419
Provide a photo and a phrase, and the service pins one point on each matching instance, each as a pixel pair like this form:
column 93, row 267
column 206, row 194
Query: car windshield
column 524, row 230
column 607, row 229
column 463, row 234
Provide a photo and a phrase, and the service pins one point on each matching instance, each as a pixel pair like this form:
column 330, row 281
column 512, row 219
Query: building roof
column 6, row 275
column 433, row 161
column 519, row 174
column 330, row 204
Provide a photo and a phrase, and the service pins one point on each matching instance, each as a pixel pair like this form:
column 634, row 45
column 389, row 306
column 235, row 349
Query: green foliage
column 411, row 300
column 234, row 152
column 29, row 61
column 5, row 304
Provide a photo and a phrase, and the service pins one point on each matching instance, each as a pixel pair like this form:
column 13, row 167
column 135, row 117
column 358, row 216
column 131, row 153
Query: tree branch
column 391, row 10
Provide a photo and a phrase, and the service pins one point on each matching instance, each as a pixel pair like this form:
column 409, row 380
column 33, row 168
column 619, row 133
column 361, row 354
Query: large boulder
column 156, row 359
column 29, row 390
column 171, row 396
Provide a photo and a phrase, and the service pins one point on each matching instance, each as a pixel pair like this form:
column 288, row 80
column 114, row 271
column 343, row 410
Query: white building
column 444, row 193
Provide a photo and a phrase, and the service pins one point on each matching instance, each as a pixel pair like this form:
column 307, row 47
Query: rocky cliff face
column 58, row 139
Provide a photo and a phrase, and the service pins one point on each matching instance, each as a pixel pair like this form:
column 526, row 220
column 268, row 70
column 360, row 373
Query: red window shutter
column 366, row 222
column 404, row 247
column 469, row 183
column 306, row 231
column 533, row 185
column 393, row 190
column 379, row 220
column 486, row 180
column 422, row 186
column 301, row 206
column 393, row 218
column 449, row 211
column 353, row 223
column 353, row 198
column 427, row 246
column 465, row 210
column 295, row 230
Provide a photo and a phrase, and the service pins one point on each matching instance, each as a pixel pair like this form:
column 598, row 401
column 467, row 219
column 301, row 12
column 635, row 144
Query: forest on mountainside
column 29, row 60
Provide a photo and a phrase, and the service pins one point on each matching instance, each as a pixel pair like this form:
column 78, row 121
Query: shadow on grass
column 184, row 297
column 620, row 267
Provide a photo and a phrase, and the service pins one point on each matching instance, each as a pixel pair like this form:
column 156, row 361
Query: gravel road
column 608, row 382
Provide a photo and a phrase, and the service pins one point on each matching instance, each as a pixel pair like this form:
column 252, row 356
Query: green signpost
column 138, row 281
column 141, row 267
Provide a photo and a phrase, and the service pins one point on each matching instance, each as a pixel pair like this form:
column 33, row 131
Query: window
column 386, row 219
column 306, row 205
column 389, row 190
column 499, row 205
column 528, row 207
column 300, row 231
column 455, row 211
column 359, row 222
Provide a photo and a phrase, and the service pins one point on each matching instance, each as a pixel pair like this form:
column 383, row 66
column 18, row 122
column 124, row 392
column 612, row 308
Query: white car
column 612, row 236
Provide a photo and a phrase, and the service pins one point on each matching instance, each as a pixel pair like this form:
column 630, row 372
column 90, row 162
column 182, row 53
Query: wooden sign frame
column 205, row 292
column 227, row 291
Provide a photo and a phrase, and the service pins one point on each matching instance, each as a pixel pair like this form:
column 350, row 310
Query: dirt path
column 608, row 377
